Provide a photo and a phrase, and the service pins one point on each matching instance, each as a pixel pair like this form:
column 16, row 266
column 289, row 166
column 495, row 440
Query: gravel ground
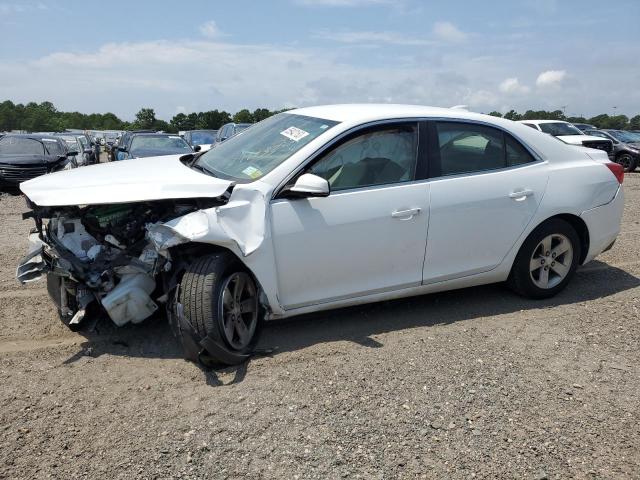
column 476, row 383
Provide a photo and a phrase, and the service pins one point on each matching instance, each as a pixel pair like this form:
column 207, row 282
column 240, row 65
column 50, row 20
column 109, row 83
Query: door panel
column 351, row 243
column 476, row 219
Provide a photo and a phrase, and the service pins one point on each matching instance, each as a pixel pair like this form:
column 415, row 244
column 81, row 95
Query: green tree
column 243, row 116
column 145, row 118
column 600, row 121
column 634, row 123
column 495, row 114
column 260, row 114
column 512, row 115
column 618, row 122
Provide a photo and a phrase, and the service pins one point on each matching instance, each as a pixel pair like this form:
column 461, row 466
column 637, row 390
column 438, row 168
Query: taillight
column 617, row 170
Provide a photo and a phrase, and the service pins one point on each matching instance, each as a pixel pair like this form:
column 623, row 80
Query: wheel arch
column 188, row 252
column 579, row 226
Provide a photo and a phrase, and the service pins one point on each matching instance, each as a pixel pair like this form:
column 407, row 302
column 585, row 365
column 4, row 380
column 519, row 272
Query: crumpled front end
column 101, row 255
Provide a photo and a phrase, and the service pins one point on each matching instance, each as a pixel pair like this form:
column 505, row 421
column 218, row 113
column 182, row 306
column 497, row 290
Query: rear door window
column 469, row 148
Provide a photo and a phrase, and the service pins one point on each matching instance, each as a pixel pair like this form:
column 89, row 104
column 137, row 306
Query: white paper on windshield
column 294, row 134
column 49, row 140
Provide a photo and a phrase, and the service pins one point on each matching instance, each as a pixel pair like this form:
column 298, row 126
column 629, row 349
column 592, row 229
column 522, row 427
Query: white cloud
column 210, row 29
column 7, row 9
column 223, row 75
column 513, row 86
column 551, row 78
column 448, row 32
column 389, row 38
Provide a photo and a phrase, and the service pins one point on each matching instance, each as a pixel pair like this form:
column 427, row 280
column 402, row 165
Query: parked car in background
column 79, row 143
column 23, row 157
column 200, row 138
column 123, row 142
column 626, row 147
column 320, row 208
column 228, row 130
column 143, row 145
column 566, row 132
column 583, row 126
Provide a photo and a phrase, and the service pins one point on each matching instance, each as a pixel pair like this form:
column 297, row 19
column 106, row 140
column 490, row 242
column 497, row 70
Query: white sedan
column 319, row 208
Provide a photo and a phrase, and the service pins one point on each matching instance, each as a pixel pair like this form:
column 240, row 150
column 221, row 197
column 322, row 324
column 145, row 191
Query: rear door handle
column 405, row 214
column 521, row 194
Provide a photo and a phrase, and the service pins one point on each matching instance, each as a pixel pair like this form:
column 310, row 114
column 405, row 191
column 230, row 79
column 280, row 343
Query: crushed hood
column 137, row 180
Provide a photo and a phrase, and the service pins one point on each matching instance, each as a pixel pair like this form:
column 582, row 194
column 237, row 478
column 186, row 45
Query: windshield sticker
column 324, row 127
column 252, row 172
column 49, row 140
column 294, row 134
column 174, row 136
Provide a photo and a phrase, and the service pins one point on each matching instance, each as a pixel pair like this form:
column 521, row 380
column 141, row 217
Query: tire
column 528, row 275
column 207, row 296
column 628, row 161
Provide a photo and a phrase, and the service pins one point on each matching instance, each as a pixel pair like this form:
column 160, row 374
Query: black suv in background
column 23, row 157
column 626, row 146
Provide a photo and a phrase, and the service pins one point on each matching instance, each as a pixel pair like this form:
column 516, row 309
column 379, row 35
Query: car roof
column 371, row 111
column 33, row 136
column 544, row 121
column 147, row 134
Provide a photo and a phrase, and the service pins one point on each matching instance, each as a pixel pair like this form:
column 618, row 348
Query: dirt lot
column 476, row 383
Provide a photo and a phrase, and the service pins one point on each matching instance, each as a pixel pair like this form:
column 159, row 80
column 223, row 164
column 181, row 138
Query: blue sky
column 198, row 55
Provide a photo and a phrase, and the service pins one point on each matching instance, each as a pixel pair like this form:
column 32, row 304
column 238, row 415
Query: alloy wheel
column 551, row 261
column 239, row 310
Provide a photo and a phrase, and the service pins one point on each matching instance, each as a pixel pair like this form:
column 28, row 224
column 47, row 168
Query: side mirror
column 72, row 153
column 197, row 148
column 308, row 185
column 222, row 139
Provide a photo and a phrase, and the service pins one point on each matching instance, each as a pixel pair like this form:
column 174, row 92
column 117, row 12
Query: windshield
column 203, row 137
column 149, row 145
column 53, row 146
column 626, row 137
column 20, row 146
column 599, row 133
column 72, row 145
column 559, row 128
column 263, row 147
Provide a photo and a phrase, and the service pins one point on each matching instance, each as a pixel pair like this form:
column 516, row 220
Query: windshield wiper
column 202, row 168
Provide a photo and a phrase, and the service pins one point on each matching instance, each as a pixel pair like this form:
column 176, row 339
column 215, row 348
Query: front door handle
column 520, row 195
column 405, row 214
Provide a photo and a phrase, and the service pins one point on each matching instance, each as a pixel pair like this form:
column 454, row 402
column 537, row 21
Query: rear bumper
column 603, row 223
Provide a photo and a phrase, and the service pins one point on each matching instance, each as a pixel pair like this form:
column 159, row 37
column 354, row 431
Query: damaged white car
column 319, row 208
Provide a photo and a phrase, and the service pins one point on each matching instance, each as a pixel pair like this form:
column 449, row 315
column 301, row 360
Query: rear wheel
column 628, row 162
column 546, row 261
column 220, row 300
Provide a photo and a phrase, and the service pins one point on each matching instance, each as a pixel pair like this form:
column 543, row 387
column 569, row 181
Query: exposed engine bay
column 104, row 256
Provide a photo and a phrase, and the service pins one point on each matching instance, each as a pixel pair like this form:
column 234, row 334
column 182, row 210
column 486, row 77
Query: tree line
column 44, row 117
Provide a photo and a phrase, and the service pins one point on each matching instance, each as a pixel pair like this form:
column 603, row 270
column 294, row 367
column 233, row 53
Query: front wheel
column 546, row 261
column 220, row 301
